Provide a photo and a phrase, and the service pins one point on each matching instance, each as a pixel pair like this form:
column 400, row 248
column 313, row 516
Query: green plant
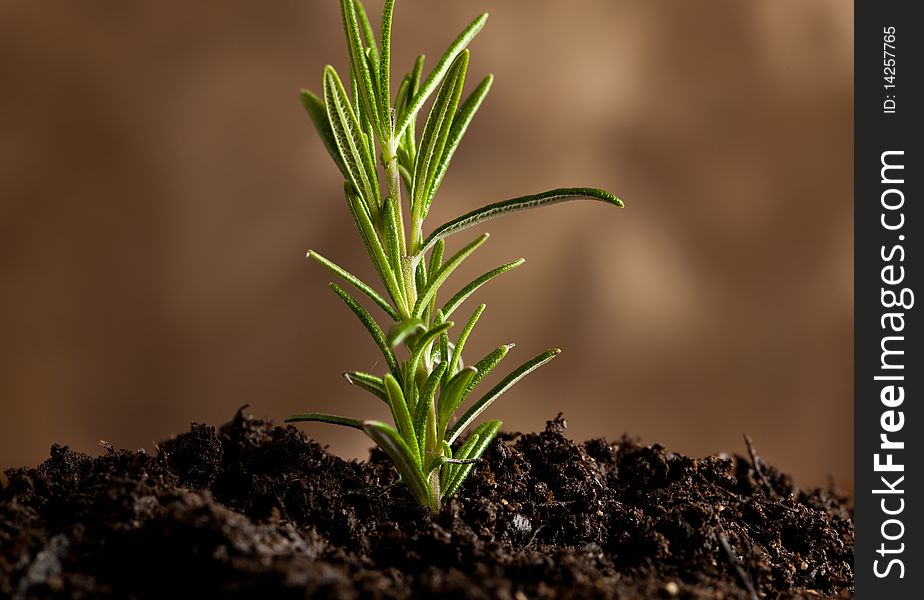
column 425, row 390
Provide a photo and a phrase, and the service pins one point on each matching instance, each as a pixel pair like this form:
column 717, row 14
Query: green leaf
column 385, row 64
column 401, row 414
column 487, row 364
column 315, row 108
column 508, row 382
column 462, row 454
column 436, row 132
column 401, row 455
column 444, row 347
column 371, row 326
column 356, row 282
column 452, row 395
column 410, row 371
column 441, row 460
column 405, row 176
column 374, row 247
column 368, row 382
column 459, row 126
column 456, row 359
column 439, row 70
column 392, row 232
column 410, row 136
column 468, row 290
column 433, row 267
column 358, row 63
column 420, row 278
column 444, row 272
column 436, row 258
column 435, row 464
column 483, row 436
column 516, row 204
column 403, row 330
column 350, row 140
column 446, row 474
column 372, row 64
column 366, row 27
column 425, row 404
column 354, row 87
column 404, row 88
column 326, row 418
column 416, row 76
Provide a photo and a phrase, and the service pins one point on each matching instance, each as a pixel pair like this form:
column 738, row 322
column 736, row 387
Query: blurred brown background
column 159, row 185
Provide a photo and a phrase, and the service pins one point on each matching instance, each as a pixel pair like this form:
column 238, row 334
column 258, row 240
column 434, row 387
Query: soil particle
column 253, row 510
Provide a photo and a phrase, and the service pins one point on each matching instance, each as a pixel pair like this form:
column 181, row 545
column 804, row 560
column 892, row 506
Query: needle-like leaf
column 508, row 382
column 401, row 414
column 436, row 258
column 416, row 79
column 403, row 330
column 451, row 396
column 366, row 26
column 356, row 282
column 456, row 359
column 374, row 247
column 368, row 382
column 392, row 231
column 371, row 326
column 468, row 290
column 349, row 139
column 389, row 440
column 406, row 176
column 460, row 123
column 445, row 345
column 315, row 108
column 483, row 436
column 372, row 64
column 444, row 272
column 422, row 346
column 433, row 267
column 366, row 89
column 425, row 404
column 385, row 65
column 439, row 70
column 462, row 453
column 441, row 460
column 487, row 364
column 436, row 132
column 326, row 418
column 517, row 204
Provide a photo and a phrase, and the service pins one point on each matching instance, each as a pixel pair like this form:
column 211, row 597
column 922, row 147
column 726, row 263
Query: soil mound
column 253, row 510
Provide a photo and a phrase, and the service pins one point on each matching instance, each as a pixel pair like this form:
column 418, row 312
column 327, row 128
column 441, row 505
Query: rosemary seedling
column 428, row 384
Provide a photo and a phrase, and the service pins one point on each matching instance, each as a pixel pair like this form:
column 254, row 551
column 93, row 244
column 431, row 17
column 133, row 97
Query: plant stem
column 435, row 491
column 393, row 182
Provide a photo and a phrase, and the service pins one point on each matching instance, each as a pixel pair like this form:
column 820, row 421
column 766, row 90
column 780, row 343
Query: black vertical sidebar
column 888, row 370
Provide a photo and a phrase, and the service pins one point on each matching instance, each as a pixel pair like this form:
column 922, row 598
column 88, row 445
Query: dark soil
column 253, row 510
